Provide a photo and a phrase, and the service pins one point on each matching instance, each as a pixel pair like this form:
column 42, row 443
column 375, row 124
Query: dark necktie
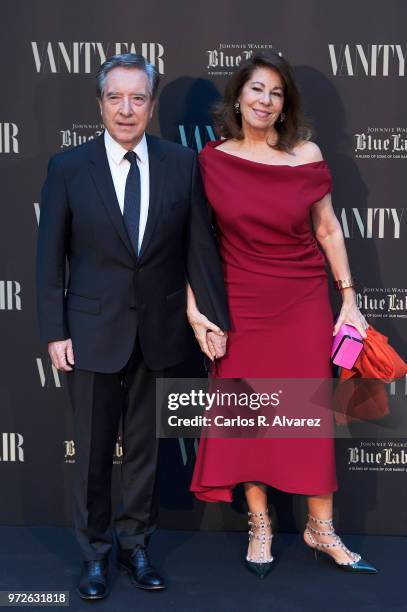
column 132, row 196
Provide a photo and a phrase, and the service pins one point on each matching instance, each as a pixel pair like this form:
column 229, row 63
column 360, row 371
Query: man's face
column 126, row 105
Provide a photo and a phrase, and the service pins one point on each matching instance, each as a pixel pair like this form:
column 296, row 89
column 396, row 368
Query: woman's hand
column 351, row 314
column 217, row 344
column 207, row 333
column 201, row 326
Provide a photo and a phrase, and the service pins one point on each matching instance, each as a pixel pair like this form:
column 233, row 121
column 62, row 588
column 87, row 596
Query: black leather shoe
column 93, row 580
column 137, row 565
column 356, row 565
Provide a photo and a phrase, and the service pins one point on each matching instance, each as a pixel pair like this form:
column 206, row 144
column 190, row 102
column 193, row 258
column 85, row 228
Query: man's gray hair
column 128, row 60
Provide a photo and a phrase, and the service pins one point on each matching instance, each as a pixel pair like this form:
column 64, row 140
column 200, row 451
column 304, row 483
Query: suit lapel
column 102, row 178
column 156, row 164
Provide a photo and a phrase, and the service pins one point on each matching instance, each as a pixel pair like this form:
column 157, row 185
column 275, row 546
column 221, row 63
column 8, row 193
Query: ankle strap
column 262, row 537
column 259, row 514
column 321, row 521
column 260, row 525
column 323, row 533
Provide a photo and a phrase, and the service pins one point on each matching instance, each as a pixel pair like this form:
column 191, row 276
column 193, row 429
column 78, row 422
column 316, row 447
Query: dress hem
column 225, row 492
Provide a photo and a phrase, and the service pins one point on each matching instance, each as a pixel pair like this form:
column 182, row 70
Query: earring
column 282, row 117
column 236, row 106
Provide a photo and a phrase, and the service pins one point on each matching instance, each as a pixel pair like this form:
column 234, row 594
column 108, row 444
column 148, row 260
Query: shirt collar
column 117, row 152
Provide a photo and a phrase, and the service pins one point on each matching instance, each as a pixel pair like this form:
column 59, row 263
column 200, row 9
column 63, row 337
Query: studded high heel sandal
column 262, row 563
column 357, row 565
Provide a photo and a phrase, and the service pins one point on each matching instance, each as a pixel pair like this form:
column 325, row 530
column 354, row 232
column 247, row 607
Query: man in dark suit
column 128, row 212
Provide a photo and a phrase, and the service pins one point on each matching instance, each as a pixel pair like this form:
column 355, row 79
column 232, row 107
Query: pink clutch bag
column 346, row 346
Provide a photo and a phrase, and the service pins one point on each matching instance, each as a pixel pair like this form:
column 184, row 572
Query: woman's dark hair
column 294, row 127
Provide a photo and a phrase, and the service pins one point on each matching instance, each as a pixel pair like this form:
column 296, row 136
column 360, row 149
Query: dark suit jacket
column 111, row 293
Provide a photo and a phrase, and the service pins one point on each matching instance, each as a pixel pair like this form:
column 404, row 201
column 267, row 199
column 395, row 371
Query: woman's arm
column 203, row 265
column 329, row 235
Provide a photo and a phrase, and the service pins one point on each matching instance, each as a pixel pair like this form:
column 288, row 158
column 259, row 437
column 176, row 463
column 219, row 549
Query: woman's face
column 261, row 99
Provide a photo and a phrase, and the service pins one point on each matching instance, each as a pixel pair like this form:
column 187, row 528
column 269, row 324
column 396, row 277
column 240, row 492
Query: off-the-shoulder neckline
column 214, row 144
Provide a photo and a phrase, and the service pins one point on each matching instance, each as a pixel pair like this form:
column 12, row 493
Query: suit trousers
column 99, row 401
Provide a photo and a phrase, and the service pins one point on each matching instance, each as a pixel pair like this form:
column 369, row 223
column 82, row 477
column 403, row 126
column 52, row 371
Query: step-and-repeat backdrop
column 350, row 62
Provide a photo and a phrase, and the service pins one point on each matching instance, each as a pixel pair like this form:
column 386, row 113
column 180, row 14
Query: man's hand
column 61, row 353
column 205, row 331
column 217, row 344
column 201, row 325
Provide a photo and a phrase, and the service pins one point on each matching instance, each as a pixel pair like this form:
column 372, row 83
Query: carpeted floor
column 205, row 572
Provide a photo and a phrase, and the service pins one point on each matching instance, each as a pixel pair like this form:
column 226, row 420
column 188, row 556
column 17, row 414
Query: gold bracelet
column 344, row 284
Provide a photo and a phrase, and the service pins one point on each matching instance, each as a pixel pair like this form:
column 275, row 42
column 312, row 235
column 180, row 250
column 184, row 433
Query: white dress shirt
column 119, row 168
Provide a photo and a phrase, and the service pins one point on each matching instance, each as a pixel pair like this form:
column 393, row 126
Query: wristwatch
column 344, row 283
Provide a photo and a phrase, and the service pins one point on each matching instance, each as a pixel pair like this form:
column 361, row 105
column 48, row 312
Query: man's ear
column 99, row 101
column 152, row 108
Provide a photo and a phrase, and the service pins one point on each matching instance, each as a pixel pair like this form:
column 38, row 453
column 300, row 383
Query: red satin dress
column 281, row 319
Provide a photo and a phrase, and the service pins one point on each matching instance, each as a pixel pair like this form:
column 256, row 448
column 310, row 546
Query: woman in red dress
column 264, row 182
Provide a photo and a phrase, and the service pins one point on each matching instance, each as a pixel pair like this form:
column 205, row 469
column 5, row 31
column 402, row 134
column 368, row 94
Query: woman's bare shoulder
column 308, row 151
column 227, row 145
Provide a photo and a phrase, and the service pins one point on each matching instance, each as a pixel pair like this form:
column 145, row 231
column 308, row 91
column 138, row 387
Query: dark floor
column 205, row 573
